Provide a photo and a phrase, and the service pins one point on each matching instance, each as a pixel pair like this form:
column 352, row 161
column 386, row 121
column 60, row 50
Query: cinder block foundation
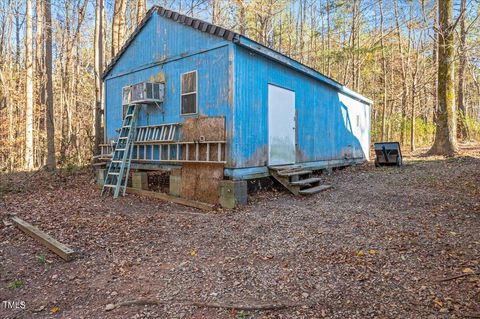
column 232, row 193
column 140, row 180
column 101, row 176
column 175, row 182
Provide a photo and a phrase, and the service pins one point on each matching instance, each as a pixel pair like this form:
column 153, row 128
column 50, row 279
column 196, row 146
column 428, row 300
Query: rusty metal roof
column 180, row 18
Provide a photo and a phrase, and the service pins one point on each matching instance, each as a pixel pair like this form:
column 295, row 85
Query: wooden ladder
column 297, row 180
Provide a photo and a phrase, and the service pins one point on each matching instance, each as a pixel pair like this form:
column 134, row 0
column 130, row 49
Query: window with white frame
column 189, row 92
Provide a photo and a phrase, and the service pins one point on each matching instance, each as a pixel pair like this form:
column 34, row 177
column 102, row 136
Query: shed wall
column 233, row 82
column 327, row 120
column 149, row 58
column 161, row 40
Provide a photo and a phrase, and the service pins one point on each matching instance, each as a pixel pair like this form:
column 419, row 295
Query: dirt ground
column 384, row 242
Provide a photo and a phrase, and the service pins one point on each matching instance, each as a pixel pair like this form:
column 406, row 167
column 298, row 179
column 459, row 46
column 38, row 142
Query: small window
column 189, row 93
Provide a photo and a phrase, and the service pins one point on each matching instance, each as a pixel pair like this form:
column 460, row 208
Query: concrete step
column 307, row 181
column 293, row 173
column 314, row 190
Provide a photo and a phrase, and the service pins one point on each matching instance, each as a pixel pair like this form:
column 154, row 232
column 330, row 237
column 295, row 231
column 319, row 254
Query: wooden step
column 314, row 190
column 307, row 181
column 284, row 167
column 293, row 173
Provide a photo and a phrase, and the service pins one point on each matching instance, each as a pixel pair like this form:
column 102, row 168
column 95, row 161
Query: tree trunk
column 405, row 64
column 328, row 9
column 51, row 161
column 215, row 11
column 446, row 125
column 412, row 119
column 462, row 63
column 118, row 25
column 99, row 56
column 40, row 76
column 384, row 72
column 435, row 61
column 29, row 88
column 241, row 17
column 122, row 24
column 141, row 10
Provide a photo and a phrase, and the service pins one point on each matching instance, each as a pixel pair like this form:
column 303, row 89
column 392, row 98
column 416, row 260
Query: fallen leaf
column 372, row 252
column 360, row 253
column 193, row 252
column 109, row 307
column 55, row 309
column 467, row 270
column 438, row 302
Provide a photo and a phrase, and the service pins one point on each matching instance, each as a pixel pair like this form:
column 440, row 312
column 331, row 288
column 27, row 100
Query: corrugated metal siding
column 160, row 40
column 323, row 132
column 156, row 11
column 233, row 82
column 187, row 50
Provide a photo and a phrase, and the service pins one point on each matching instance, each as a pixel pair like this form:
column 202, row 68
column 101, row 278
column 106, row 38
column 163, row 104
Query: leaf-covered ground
column 383, row 243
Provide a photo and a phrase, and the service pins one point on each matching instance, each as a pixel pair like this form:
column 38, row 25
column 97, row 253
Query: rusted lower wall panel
column 200, row 181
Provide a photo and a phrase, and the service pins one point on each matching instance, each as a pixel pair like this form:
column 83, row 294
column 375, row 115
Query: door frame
column 294, row 122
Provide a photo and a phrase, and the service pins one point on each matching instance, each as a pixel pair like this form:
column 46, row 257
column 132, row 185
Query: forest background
column 52, row 54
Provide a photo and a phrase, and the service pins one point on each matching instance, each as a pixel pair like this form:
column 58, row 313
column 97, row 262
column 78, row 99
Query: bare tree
column 462, row 64
column 40, row 83
column 446, row 124
column 384, row 72
column 29, row 88
column 99, row 57
column 118, row 25
column 51, row 161
column 141, row 10
column 241, row 20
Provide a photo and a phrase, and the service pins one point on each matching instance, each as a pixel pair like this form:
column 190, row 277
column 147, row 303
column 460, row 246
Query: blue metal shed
column 276, row 111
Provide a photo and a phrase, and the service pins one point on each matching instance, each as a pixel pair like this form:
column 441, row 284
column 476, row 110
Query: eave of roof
column 235, row 38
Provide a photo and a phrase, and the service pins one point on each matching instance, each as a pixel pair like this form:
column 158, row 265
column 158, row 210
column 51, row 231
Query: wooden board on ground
column 173, row 199
column 200, row 181
column 51, row 243
column 211, row 128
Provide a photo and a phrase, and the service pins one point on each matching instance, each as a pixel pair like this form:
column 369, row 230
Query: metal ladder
column 122, row 155
column 156, row 133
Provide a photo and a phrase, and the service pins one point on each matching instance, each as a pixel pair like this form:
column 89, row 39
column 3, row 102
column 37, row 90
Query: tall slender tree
column 462, row 64
column 384, row 73
column 445, row 142
column 141, row 10
column 51, row 158
column 40, row 81
column 99, row 58
column 29, row 88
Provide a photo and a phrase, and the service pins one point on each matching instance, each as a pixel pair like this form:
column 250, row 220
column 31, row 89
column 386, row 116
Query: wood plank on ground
column 173, row 199
column 58, row 248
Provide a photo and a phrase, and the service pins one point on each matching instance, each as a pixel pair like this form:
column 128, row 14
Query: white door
column 281, row 126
